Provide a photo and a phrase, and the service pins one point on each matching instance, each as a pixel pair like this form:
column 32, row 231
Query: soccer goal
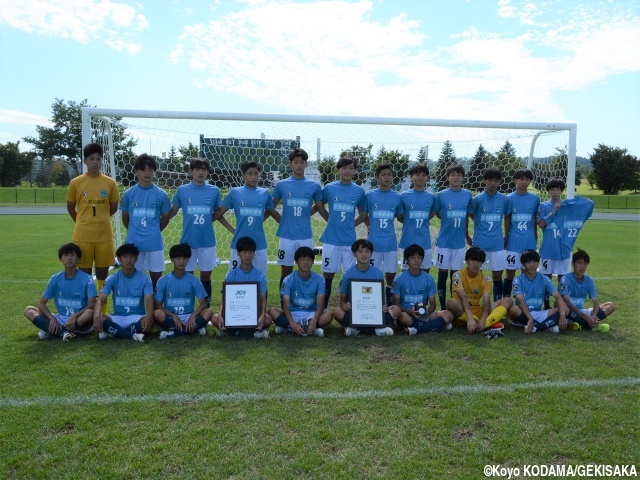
column 228, row 139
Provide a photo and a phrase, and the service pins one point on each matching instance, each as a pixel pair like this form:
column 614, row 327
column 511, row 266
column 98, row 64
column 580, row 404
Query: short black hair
column 145, row 160
column 199, row 162
column 556, row 182
column 580, row 255
column 383, row 166
column 475, row 253
column 345, row 162
column 246, row 244
column 411, row 250
column 529, row 256
column 457, row 168
column 361, row 242
column 180, row 250
column 523, row 173
column 298, row 152
column 91, row 148
column 304, row 252
column 127, row 249
column 492, row 173
column 419, row 168
column 69, row 248
column 247, row 165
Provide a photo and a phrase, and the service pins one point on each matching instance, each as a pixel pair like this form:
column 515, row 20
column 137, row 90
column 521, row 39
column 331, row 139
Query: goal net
column 227, row 140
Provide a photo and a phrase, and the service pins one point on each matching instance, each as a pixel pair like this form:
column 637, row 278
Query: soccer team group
column 504, row 240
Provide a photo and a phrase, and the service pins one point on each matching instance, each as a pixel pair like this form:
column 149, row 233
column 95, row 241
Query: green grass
column 434, row 406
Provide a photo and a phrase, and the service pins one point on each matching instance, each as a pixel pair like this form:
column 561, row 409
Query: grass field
column 441, row 405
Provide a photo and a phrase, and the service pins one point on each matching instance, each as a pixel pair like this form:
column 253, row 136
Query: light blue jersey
column 414, row 289
column 533, row 290
column 249, row 205
column 488, row 214
column 383, row 206
column 551, row 246
column 298, row 196
column 198, row 202
column 577, row 291
column 145, row 206
column 342, row 201
column 128, row 292
column 524, row 211
column 451, row 206
column 178, row 294
column 354, row 273
column 416, row 207
column 573, row 214
column 70, row 294
column 253, row 275
column 303, row 294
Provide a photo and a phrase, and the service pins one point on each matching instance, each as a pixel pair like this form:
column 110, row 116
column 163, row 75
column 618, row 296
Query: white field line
column 311, row 395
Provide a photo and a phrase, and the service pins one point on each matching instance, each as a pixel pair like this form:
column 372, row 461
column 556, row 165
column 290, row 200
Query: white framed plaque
column 241, row 302
column 367, row 299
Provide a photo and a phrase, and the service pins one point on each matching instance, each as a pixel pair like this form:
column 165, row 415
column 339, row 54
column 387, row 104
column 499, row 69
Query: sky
column 568, row 61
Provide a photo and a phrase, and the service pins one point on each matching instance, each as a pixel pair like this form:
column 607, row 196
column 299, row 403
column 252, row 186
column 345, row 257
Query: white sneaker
column 351, row 332
column 449, row 326
column 261, row 334
column 384, row 332
column 319, row 332
column 42, row 335
column 202, row 331
column 166, row 333
column 554, row 329
column 68, row 336
column 103, row 335
column 279, row 330
column 138, row 337
column 220, row 333
column 411, row 331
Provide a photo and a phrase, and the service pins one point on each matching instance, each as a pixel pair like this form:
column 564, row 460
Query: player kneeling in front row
column 362, row 270
column 74, row 295
column 574, row 288
column 529, row 289
column 412, row 290
column 244, row 273
column 132, row 293
column 303, row 298
column 471, row 296
column 174, row 300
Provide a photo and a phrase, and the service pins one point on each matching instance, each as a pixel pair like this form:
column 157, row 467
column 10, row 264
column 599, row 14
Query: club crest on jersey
column 242, row 203
column 476, row 291
column 103, row 193
column 260, row 204
column 207, row 201
column 60, row 293
column 136, row 205
column 84, row 194
column 392, row 207
column 306, row 195
column 295, row 294
column 353, row 200
column 335, row 199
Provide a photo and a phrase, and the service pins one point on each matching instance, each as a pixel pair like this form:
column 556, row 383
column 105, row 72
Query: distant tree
column 58, row 174
column 591, row 179
column 445, row 160
column 189, row 152
column 173, row 160
column 398, row 160
column 508, row 162
column 14, row 165
column 327, row 169
column 614, row 169
column 363, row 159
column 474, row 173
column 423, row 155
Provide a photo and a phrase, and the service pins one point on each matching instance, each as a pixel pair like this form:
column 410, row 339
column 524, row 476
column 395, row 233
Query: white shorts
column 124, row 321
column 205, row 258
column 512, row 260
column 427, row 261
column 63, row 319
column 449, row 258
column 557, row 267
column 495, row 261
column 151, row 261
column 385, row 261
column 259, row 260
column 287, row 250
column 299, row 315
column 334, row 256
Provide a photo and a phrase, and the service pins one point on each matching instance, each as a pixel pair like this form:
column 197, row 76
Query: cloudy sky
column 570, row 61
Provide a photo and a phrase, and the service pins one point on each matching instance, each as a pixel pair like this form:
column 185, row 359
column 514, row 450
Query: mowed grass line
column 430, row 434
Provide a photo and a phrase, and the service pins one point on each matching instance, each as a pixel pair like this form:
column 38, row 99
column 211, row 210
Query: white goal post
column 228, row 139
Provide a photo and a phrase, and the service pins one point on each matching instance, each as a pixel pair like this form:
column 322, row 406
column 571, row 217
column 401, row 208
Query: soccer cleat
column 103, row 335
column 573, row 326
column 449, row 326
column 384, row 332
column 202, row 331
column 492, row 333
column 554, row 329
column 497, row 325
column 411, row 331
column 138, row 337
column 516, row 324
column 166, row 333
column 319, row 332
column 220, row 333
column 261, row 334
column 602, row 327
column 68, row 336
column 279, row 330
column 351, row 332
column 42, row 335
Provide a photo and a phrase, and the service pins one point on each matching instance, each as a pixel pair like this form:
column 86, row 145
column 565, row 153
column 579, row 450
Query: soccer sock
column 282, row 321
column 207, row 288
column 521, row 319
column 42, row 323
column 99, row 285
column 435, row 324
column 389, row 296
column 495, row 316
column 167, row 324
column 327, row 291
column 507, row 287
column 548, row 322
column 115, row 330
column 346, row 320
column 497, row 291
column 200, row 322
column 442, row 287
column 601, row 315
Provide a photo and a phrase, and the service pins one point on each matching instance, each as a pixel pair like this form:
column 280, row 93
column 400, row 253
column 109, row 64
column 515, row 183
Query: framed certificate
column 241, row 304
column 367, row 298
